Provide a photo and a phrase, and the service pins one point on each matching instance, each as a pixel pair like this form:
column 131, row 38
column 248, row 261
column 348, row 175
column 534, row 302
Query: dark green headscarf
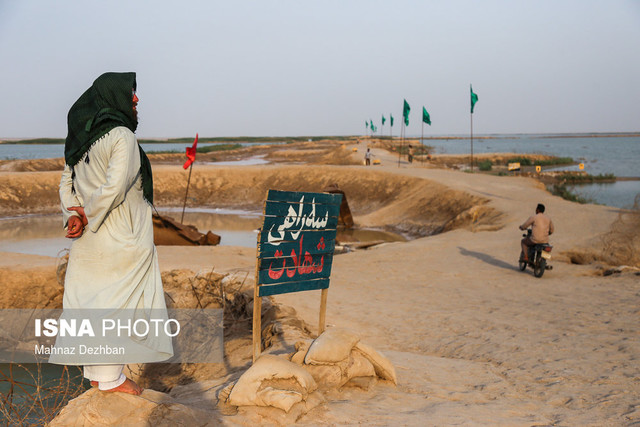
column 108, row 103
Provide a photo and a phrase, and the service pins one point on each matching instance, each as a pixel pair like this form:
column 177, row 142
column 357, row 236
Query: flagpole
column 422, row 143
column 472, row 142
column 401, row 142
column 185, row 194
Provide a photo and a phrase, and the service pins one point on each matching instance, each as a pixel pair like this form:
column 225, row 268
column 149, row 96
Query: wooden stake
column 185, row 194
column 323, row 310
column 257, row 321
column 257, row 299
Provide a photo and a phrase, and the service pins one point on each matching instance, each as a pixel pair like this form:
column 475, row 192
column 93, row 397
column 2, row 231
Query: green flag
column 390, row 120
column 405, row 112
column 383, row 120
column 474, row 99
column 425, row 116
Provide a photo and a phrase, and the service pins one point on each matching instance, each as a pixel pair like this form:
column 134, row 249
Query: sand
column 474, row 340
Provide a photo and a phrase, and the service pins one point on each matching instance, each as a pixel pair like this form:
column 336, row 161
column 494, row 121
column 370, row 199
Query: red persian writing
column 301, row 265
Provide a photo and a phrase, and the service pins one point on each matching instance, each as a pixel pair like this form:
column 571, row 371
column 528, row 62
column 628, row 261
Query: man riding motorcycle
column 541, row 228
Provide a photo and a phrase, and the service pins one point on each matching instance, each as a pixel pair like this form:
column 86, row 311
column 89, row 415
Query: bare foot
column 127, row 387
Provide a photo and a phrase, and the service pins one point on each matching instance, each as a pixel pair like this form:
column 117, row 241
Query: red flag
column 191, row 153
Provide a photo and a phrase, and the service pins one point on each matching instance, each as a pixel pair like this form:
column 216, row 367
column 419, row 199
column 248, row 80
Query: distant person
column 541, row 229
column 106, row 193
column 367, row 157
column 410, row 157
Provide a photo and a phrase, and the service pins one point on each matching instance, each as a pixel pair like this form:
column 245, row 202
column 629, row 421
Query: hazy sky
column 325, row 67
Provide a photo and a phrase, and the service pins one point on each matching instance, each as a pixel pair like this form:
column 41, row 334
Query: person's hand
column 80, row 211
column 74, row 227
column 520, row 227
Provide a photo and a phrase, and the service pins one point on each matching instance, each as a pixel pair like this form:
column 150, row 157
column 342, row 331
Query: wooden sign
column 538, row 168
column 295, row 249
column 514, row 166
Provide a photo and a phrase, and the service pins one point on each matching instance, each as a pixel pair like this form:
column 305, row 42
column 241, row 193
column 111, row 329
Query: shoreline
column 259, row 140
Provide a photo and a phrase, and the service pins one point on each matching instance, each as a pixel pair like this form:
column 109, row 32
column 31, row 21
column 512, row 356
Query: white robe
column 114, row 264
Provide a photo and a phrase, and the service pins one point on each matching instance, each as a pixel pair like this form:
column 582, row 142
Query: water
column 251, row 161
column 44, row 235
column 617, row 155
column 49, row 151
column 619, row 194
column 56, row 383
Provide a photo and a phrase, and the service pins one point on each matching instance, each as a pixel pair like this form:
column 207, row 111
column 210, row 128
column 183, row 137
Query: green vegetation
column 586, row 179
column 562, row 191
column 526, row 161
column 485, row 165
column 218, row 147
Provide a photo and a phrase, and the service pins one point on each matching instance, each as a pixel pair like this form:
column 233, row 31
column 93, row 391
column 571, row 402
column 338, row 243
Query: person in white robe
column 104, row 193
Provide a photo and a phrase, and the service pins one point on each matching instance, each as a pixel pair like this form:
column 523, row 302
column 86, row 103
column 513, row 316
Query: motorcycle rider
column 541, row 228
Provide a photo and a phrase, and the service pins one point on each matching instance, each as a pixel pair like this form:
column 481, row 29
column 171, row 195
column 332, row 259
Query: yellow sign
column 538, row 168
column 581, row 166
column 514, row 166
column 376, row 162
column 354, row 149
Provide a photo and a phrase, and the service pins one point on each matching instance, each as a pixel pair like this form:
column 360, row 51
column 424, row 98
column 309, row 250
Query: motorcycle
column 539, row 256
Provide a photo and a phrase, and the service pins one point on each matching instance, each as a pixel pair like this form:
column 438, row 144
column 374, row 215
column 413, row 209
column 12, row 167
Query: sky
column 302, row 67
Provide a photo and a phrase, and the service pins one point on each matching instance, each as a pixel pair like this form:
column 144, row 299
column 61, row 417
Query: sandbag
column 327, row 376
column 383, row 367
column 332, row 346
column 359, row 366
column 302, row 347
column 272, row 381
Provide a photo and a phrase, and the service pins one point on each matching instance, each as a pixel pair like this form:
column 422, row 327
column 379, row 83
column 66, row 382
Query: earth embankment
column 412, row 205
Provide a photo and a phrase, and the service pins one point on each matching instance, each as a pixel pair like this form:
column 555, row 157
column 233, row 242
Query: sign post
column 295, row 250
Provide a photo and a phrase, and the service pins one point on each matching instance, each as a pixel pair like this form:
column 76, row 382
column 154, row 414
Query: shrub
column 562, row 191
column 485, row 165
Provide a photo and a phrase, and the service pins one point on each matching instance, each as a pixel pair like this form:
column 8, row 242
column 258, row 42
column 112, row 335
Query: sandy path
column 474, row 340
column 477, row 341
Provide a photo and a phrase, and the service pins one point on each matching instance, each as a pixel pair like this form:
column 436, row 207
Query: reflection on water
column 44, row 235
column 33, row 234
column 251, row 161
column 620, row 193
